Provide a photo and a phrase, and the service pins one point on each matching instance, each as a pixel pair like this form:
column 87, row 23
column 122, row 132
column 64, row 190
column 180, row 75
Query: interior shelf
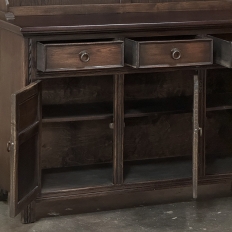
column 219, row 165
column 99, row 111
column 77, row 112
column 149, row 107
column 156, row 170
column 222, row 101
column 138, row 108
column 76, row 177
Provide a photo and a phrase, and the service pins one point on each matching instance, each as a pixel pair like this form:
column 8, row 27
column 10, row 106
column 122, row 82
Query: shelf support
column 118, row 129
column 195, row 135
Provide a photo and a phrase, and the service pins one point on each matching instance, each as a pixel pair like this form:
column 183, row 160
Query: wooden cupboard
column 113, row 98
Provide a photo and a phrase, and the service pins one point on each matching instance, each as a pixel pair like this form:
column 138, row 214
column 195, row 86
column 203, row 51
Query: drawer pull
column 176, row 54
column 84, row 56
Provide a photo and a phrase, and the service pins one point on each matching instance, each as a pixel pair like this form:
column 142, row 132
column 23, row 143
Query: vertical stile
column 118, row 129
column 195, row 135
column 202, row 115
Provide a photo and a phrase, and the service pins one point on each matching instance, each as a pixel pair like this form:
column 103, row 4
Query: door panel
column 25, row 161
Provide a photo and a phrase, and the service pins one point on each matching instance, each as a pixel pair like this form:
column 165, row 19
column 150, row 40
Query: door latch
column 200, row 130
column 8, row 146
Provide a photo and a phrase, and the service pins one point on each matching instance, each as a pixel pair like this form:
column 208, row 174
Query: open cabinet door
column 25, row 147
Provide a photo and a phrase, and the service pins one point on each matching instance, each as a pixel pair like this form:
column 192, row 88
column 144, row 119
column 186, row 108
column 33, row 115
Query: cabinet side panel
column 13, row 64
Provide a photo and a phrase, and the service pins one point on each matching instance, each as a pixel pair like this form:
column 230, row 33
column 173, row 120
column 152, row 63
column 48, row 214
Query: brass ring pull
column 84, row 56
column 176, row 54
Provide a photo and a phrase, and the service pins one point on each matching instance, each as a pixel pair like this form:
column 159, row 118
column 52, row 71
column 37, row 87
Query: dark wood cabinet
column 114, row 100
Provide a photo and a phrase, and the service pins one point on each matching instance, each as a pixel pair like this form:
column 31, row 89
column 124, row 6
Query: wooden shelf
column 77, row 112
column 151, row 107
column 139, row 108
column 184, row 104
column 159, row 169
column 222, row 101
column 218, row 165
column 79, row 177
column 99, row 111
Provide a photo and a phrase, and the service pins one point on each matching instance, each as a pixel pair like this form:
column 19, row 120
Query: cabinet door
column 25, row 147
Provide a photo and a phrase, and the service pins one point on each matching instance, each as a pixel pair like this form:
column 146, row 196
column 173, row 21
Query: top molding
column 48, row 7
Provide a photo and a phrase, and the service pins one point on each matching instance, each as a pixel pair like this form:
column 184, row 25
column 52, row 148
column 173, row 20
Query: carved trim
column 7, row 15
column 30, row 61
column 195, row 135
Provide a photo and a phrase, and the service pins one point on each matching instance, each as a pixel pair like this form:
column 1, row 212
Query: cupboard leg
column 3, row 195
column 28, row 214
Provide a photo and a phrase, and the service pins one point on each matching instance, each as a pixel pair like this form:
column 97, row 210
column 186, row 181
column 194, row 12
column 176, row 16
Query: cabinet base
column 61, row 206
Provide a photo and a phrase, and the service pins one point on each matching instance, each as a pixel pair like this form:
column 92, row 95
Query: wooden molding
column 120, row 8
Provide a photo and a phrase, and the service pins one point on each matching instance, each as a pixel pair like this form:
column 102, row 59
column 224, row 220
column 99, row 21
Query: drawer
column 168, row 53
column 222, row 49
column 77, row 56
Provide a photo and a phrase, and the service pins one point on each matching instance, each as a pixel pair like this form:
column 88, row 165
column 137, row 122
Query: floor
column 212, row 215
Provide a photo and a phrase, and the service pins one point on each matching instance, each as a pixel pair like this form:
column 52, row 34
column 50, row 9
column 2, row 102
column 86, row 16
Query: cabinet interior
column 218, row 127
column 77, row 141
column 76, row 146
column 158, row 144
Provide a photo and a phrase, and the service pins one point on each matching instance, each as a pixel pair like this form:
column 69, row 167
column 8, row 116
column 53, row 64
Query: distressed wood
column 125, row 7
column 118, row 127
column 161, row 53
column 81, row 90
column 132, row 199
column 218, row 126
column 62, row 146
column 76, row 56
column 149, row 21
column 130, row 188
column 82, row 104
column 28, row 214
column 12, row 79
column 222, row 50
column 158, row 137
column 196, row 130
column 25, row 147
column 202, row 118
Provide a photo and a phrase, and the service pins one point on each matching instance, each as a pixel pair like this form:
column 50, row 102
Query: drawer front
column 222, row 50
column 77, row 56
column 168, row 53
